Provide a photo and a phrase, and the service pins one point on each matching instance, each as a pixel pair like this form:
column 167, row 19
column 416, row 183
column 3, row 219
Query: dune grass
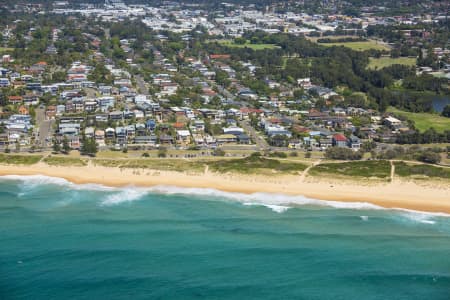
column 424, row 121
column 256, row 164
column 362, row 169
column 65, row 161
column 382, row 62
column 403, row 169
column 18, row 159
column 164, row 164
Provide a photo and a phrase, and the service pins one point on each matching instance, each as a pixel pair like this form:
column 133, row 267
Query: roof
column 340, row 137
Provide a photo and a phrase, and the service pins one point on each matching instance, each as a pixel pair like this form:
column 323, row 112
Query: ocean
column 59, row 240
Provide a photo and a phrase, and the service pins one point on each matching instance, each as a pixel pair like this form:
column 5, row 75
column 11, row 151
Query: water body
column 439, row 102
column 64, row 241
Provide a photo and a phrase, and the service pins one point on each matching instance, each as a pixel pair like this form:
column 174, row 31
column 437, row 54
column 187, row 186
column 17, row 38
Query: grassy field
column 424, row 121
column 403, row 169
column 256, row 164
column 363, row 169
column 232, row 44
column 20, row 159
column 65, row 161
column 3, row 49
column 359, row 46
column 379, row 63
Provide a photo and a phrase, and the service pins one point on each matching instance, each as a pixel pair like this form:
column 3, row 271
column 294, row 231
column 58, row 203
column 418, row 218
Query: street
column 44, row 129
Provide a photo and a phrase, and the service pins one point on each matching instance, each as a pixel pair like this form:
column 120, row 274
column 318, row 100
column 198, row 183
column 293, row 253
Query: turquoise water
column 63, row 241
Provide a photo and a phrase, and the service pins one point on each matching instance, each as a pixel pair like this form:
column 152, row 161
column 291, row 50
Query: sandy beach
column 429, row 197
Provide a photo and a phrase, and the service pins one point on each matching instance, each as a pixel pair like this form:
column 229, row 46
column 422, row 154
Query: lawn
column 406, row 170
column 232, row 44
column 359, row 46
column 14, row 159
column 363, row 169
column 3, row 49
column 380, row 63
column 424, row 121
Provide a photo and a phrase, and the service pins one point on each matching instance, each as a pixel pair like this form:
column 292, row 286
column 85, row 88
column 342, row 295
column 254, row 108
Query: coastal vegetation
column 178, row 165
column 19, row 159
column 361, row 169
column 65, row 161
column 403, row 169
column 255, row 163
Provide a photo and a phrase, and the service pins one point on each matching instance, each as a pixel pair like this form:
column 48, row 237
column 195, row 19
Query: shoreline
column 399, row 194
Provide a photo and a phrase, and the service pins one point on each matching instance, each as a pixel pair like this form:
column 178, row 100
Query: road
column 141, row 85
column 261, row 143
column 44, row 129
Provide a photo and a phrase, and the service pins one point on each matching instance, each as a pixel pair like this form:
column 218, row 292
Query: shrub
column 429, row 157
column 342, row 153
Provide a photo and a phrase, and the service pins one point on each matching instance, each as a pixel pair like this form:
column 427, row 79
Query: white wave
column 364, row 218
column 126, row 195
column 262, row 198
column 32, row 181
column 424, row 218
column 276, row 208
column 273, row 201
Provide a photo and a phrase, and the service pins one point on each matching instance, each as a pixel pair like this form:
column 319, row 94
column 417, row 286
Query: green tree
column 56, row 147
column 446, row 111
column 65, row 145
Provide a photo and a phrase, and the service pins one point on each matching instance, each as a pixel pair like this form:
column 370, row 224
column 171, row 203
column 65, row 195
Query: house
column 116, row 116
column 340, row 140
column 30, row 99
column 165, row 139
column 184, row 136
column 23, row 110
column 354, row 143
column 50, row 113
column 110, row 133
column 15, row 100
column 146, row 139
column 121, row 135
column 226, row 138
column 325, row 143
column 74, row 142
column 243, row 139
column 100, row 137
column 90, row 105
column 89, row 132
column 391, row 121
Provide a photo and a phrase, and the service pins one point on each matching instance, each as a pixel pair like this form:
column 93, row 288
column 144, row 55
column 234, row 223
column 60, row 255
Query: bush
column 162, row 152
column 293, row 154
column 429, row 157
column 278, row 154
column 218, row 152
column 342, row 153
column 145, row 154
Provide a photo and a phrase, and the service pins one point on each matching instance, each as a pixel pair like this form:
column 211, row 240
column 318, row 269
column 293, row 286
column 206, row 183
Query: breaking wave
column 276, row 202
